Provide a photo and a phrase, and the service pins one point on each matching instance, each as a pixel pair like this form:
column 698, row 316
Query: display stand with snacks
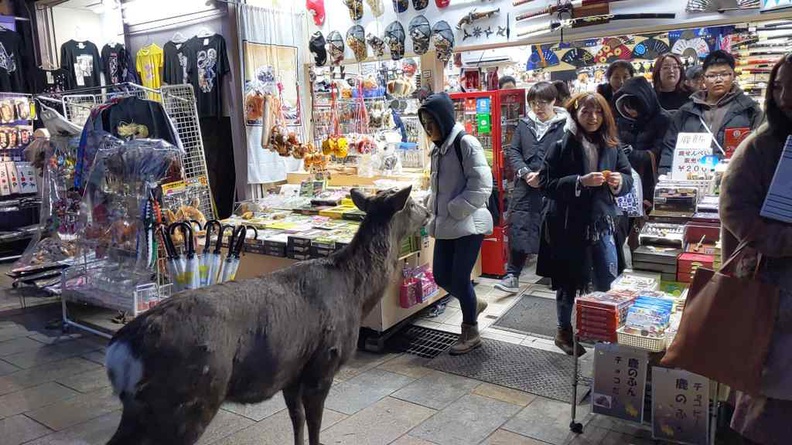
column 19, row 203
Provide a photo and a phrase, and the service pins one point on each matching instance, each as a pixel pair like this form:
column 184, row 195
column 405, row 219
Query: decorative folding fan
column 613, row 50
column 650, row 49
column 691, row 47
column 578, row 57
column 542, row 57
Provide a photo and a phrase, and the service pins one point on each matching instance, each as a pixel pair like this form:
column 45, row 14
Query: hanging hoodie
column 643, row 134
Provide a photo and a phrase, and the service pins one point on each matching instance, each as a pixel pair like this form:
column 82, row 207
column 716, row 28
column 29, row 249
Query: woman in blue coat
column 541, row 128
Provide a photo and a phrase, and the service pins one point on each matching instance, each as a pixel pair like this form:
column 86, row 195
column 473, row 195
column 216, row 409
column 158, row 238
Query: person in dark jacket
column 563, row 92
column 461, row 184
column 694, row 79
column 581, row 175
column 668, row 76
column 721, row 109
column 617, row 73
column 642, row 126
column 542, row 127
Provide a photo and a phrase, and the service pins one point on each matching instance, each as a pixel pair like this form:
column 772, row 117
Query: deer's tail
column 123, row 369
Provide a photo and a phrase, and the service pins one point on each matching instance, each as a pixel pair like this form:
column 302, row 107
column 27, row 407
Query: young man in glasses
column 722, row 110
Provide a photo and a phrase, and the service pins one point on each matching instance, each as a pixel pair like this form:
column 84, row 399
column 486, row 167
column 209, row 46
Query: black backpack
column 492, row 202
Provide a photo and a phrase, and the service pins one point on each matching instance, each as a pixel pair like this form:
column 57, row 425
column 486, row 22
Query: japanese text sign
column 690, row 148
column 680, row 406
column 619, row 382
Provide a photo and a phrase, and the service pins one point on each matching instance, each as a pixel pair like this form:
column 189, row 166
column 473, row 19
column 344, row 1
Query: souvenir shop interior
column 148, row 150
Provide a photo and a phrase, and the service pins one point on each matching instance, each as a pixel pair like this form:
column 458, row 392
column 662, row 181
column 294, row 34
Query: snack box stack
column 690, row 262
column 636, row 281
column 649, row 317
column 276, row 245
column 662, row 259
column 298, row 246
column 599, row 315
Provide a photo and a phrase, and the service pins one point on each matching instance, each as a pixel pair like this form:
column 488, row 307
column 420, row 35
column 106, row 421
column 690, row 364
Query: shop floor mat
column 531, row 315
column 543, row 373
column 420, row 341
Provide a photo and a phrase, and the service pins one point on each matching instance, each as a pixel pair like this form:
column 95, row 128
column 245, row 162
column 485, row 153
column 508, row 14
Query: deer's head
column 395, row 207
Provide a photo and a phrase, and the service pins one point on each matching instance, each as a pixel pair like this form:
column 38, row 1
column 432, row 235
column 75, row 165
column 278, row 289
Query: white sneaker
column 509, row 283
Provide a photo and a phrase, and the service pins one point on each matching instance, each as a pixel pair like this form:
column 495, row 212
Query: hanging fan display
column 542, row 57
column 578, row 57
column 694, row 47
column 749, row 4
column 420, row 32
column 650, row 49
column 612, row 50
column 356, row 40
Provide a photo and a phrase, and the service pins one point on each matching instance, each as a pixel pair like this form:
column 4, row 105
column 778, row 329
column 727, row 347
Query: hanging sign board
column 680, row 406
column 619, row 382
column 690, row 148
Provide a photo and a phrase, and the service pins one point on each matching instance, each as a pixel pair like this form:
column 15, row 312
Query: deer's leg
column 314, row 397
column 293, row 396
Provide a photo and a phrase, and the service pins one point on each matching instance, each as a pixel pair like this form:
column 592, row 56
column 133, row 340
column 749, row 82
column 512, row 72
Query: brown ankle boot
column 481, row 306
column 564, row 341
column 468, row 341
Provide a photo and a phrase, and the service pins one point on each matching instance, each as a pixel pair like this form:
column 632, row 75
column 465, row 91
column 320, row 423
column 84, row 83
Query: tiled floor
column 53, row 390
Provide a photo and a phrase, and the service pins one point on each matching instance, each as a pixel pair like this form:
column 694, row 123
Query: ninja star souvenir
column 355, row 9
column 420, row 32
column 400, row 5
column 317, row 10
column 443, row 39
column 420, row 5
column 394, row 37
column 335, row 45
column 356, row 39
column 318, row 47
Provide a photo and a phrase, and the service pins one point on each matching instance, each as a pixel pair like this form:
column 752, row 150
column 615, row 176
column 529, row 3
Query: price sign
column 619, row 382
column 690, row 149
column 680, row 406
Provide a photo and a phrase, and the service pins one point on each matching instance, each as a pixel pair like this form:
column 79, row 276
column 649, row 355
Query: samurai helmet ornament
column 394, row 37
column 443, row 39
column 317, row 10
column 356, row 40
column 355, row 9
column 420, row 32
column 335, row 45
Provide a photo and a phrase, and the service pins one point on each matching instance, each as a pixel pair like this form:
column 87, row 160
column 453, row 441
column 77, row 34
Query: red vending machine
column 492, row 117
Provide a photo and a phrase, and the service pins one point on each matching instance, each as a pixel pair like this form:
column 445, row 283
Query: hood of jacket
column 700, row 98
column 642, row 91
column 561, row 115
column 441, row 108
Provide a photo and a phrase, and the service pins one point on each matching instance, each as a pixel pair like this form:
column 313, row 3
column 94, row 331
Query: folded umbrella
column 179, row 266
column 172, row 263
column 235, row 246
column 205, row 266
column 217, row 265
column 192, row 275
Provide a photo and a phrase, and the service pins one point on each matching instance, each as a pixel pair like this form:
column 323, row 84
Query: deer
column 244, row 341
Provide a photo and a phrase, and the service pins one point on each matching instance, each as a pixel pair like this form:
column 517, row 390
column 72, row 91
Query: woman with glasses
column 581, row 175
column 542, row 127
column 723, row 110
column 668, row 76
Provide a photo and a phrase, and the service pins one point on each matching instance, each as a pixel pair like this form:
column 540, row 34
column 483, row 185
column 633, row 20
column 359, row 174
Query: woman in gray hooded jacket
column 461, row 184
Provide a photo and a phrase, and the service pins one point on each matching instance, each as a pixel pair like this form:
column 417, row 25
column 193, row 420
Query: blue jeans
column 604, row 270
column 453, row 262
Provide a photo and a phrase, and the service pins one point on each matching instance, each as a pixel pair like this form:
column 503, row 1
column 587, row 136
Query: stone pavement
column 53, row 390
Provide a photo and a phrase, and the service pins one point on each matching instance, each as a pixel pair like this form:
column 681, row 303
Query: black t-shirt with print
column 134, row 118
column 82, row 60
column 53, row 81
column 114, row 63
column 179, row 58
column 210, row 65
column 11, row 62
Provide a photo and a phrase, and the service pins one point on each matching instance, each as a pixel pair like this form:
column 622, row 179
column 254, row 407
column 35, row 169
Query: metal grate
column 423, row 342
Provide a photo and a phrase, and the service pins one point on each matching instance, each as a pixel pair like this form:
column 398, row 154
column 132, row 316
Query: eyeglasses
column 539, row 103
column 718, row 76
column 670, row 68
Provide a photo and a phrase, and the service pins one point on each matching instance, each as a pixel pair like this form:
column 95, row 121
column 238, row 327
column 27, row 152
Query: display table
column 386, row 315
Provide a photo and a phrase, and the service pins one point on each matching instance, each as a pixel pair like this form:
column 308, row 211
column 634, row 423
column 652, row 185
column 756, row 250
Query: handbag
column 632, row 203
column 726, row 327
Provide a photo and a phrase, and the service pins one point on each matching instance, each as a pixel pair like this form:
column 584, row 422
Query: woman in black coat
column 541, row 128
column 617, row 73
column 581, row 176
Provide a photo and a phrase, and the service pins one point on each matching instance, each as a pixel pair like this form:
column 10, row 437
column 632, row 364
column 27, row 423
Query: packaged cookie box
column 276, row 245
column 698, row 232
column 689, row 262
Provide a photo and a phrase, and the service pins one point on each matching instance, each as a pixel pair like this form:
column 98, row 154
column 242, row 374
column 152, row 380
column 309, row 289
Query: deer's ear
column 361, row 201
column 399, row 199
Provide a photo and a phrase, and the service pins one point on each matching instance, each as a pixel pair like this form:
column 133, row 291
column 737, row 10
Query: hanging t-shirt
column 83, row 61
column 211, row 61
column 149, row 65
column 115, row 64
column 11, row 61
column 53, row 81
column 178, row 58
